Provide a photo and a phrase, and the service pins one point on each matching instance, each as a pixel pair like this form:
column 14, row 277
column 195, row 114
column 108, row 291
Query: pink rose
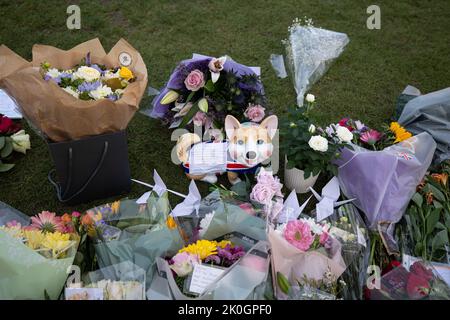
column 76, row 214
column 183, row 263
column 195, row 80
column 266, row 178
column 199, row 119
column 262, row 193
column 324, row 238
column 255, row 112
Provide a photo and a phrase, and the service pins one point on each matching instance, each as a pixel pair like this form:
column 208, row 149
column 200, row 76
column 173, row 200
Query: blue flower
column 89, row 86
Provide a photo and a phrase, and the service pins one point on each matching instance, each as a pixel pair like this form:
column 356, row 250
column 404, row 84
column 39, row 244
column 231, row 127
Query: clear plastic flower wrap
column 128, row 231
column 413, row 280
column 309, row 53
column 122, row 281
column 240, row 281
column 349, row 228
column 27, row 272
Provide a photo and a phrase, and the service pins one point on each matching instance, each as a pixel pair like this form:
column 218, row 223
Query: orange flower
column 442, row 178
column 66, row 218
column 394, row 126
column 115, row 206
column 86, row 219
column 171, row 223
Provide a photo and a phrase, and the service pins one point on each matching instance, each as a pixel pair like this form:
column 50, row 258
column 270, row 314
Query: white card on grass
column 203, row 276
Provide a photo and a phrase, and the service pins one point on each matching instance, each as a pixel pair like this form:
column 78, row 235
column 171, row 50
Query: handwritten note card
column 208, row 158
column 203, row 276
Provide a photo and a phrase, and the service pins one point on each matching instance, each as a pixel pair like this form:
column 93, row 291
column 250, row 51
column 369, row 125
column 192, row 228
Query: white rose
column 101, row 92
column 344, row 134
column 312, row 128
column 310, row 98
column 72, row 92
column 86, row 73
column 21, row 141
column 54, row 73
column 133, row 290
column 115, row 290
column 318, row 143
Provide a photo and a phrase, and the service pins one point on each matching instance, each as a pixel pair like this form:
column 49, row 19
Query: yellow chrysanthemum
column 394, row 126
column 34, row 238
column 171, row 223
column 57, row 242
column 399, row 137
column 222, row 244
column 202, row 248
column 15, row 231
column 125, row 73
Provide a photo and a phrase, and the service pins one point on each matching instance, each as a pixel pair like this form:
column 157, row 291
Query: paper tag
column 83, row 294
column 208, row 158
column 203, row 276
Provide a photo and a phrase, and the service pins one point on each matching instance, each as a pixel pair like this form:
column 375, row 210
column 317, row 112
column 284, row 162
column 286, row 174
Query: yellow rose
column 126, row 73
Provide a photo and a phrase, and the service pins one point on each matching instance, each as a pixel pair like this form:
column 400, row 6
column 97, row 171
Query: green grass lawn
column 412, row 47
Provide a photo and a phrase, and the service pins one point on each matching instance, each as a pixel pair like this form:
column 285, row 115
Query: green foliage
column 295, row 134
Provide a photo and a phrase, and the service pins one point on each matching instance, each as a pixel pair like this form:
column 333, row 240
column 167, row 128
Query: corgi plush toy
column 248, row 145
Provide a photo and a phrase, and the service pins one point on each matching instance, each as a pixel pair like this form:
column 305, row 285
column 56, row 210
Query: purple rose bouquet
column 203, row 90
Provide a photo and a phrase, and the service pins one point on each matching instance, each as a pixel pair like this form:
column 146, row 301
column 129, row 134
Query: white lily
column 215, row 66
column 21, row 141
column 203, row 105
column 170, row 97
column 181, row 109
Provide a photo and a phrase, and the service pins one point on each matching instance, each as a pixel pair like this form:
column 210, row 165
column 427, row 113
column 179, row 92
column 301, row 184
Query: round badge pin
column 125, row 59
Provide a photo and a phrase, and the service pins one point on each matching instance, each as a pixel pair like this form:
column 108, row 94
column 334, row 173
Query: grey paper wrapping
column 430, row 113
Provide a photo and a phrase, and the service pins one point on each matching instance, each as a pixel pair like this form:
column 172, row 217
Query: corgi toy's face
column 250, row 143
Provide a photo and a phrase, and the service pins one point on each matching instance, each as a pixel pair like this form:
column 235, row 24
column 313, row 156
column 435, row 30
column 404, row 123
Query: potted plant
column 308, row 149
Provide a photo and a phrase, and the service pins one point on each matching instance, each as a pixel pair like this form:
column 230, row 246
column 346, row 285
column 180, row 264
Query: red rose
column 392, row 265
column 7, row 126
column 421, row 271
column 344, row 123
column 417, row 287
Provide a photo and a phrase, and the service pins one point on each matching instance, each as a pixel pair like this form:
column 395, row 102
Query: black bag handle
column 57, row 186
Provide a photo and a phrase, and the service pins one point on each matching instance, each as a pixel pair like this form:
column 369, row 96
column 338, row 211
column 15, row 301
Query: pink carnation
column 255, row 112
column 195, row 80
column 298, row 233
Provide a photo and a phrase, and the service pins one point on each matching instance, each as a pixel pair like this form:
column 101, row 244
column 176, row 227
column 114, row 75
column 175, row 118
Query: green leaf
column 436, row 192
column 437, row 204
column 432, row 220
column 283, row 283
column 189, row 115
column 439, row 240
column 7, row 149
column 189, row 97
column 417, row 198
column 2, row 142
column 210, row 86
column 6, row 167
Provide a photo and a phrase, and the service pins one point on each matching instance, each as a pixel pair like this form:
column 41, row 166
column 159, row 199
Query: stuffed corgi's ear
column 231, row 124
column 271, row 125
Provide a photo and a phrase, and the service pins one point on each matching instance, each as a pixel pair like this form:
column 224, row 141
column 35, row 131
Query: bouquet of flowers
column 203, row 90
column 426, row 226
column 305, row 253
column 122, row 281
column 90, row 81
column 383, row 191
column 65, row 99
column 35, row 257
column 418, row 281
column 12, row 138
column 128, row 231
column 367, row 137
